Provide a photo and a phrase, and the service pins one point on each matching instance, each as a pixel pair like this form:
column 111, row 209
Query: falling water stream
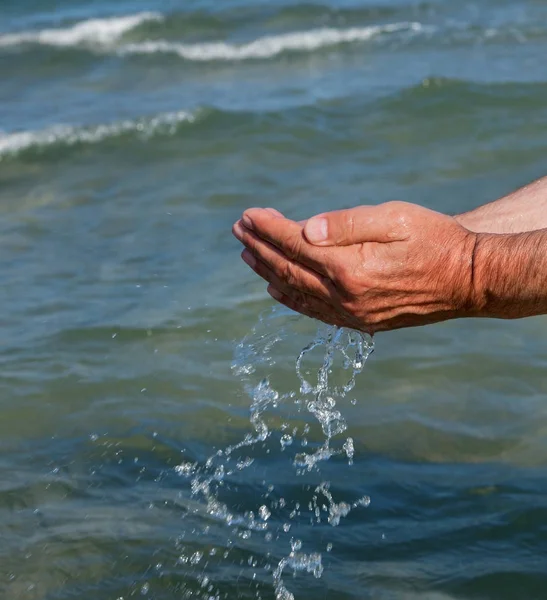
column 326, row 371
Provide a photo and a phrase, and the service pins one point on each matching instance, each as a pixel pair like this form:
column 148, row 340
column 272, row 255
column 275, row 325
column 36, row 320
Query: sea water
column 132, row 135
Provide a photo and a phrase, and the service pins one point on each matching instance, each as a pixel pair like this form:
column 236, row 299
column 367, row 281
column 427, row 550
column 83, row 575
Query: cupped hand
column 371, row 268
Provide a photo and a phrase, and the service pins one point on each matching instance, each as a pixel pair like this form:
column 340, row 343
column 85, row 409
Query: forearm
column 523, row 210
column 509, row 275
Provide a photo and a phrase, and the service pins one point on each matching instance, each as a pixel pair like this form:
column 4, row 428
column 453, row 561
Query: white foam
column 269, row 46
column 101, row 32
column 69, row 135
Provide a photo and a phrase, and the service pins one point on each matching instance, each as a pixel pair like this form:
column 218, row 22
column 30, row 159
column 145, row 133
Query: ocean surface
column 132, row 135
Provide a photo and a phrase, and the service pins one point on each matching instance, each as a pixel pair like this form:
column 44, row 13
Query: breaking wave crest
column 105, row 35
column 69, row 135
column 269, row 46
column 442, row 93
column 92, row 31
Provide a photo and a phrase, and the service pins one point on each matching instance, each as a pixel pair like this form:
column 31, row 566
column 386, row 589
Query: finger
column 308, row 302
column 273, row 266
column 236, row 228
column 383, row 223
column 275, row 212
column 287, row 236
column 303, row 308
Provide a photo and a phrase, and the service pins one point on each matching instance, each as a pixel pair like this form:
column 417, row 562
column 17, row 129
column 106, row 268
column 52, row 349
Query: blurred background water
column 132, row 135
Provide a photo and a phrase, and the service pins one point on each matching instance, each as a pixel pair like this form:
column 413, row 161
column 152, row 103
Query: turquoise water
column 132, row 135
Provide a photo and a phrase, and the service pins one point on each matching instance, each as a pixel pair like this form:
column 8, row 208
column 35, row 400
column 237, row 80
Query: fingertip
column 237, row 230
column 274, row 293
column 257, row 218
column 248, row 258
column 251, row 214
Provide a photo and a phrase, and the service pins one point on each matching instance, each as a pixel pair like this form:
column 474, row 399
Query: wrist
column 459, row 274
column 471, row 305
column 496, row 259
column 478, row 296
column 508, row 281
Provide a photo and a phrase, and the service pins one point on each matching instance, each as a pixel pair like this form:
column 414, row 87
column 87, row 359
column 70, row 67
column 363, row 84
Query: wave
column 269, row 46
column 68, row 135
column 201, row 35
column 476, row 95
column 101, row 32
column 104, row 33
column 418, row 99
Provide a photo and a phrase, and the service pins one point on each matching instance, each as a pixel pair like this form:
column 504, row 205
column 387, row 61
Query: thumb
column 352, row 226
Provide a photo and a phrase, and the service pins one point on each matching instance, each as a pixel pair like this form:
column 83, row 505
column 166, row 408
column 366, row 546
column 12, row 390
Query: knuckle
column 398, row 212
column 349, row 307
column 342, row 276
column 288, row 274
column 396, row 205
column 350, row 226
column 395, row 209
column 373, row 318
column 251, row 244
column 341, row 226
column 294, row 247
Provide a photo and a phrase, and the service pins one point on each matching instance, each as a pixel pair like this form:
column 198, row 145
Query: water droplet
column 286, row 440
column 185, row 469
column 246, row 462
column 349, row 450
column 264, row 513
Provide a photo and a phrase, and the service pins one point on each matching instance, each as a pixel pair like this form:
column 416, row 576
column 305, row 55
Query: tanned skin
column 377, row 268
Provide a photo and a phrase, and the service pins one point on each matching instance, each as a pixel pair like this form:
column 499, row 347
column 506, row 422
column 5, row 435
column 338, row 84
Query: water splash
column 297, row 561
column 355, row 348
column 334, row 510
column 325, row 372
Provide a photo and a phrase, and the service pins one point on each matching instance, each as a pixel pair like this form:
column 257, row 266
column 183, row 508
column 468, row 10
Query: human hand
column 378, row 267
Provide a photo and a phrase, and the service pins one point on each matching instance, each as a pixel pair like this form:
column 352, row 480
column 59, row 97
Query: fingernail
column 275, row 294
column 317, row 230
column 237, row 230
column 247, row 222
column 248, row 258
